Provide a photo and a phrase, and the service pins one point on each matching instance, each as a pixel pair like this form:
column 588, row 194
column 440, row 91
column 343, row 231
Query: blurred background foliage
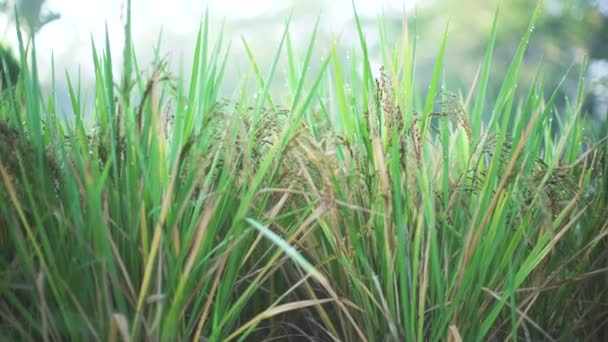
column 569, row 35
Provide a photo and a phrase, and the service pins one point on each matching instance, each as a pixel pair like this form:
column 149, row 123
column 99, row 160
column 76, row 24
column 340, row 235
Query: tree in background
column 9, row 67
column 568, row 33
column 30, row 12
column 32, row 17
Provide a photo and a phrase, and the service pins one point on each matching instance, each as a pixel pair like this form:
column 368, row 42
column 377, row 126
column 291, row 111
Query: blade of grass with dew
column 477, row 113
column 368, row 79
column 341, row 121
column 509, row 84
column 435, row 79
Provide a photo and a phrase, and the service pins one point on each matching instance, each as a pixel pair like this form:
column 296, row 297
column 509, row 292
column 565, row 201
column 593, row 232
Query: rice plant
column 345, row 209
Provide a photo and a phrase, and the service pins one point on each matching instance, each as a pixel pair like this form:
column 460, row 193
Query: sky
column 69, row 37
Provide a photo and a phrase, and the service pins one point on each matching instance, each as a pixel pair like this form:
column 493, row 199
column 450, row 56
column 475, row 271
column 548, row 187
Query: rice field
column 351, row 206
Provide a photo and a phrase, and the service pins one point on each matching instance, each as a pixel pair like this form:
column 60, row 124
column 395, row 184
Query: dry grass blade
column 523, row 316
column 119, row 329
column 277, row 311
column 44, row 314
column 206, row 308
column 454, row 334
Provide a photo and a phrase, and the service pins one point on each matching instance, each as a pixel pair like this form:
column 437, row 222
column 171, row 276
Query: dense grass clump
column 343, row 209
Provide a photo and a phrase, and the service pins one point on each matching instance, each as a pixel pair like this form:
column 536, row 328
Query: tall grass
column 342, row 209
